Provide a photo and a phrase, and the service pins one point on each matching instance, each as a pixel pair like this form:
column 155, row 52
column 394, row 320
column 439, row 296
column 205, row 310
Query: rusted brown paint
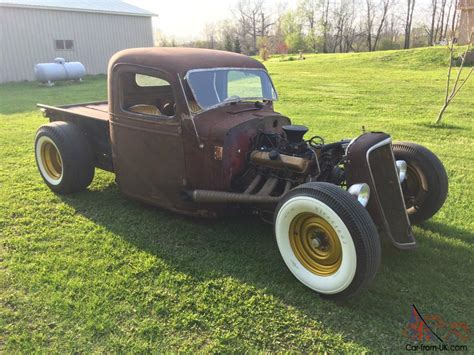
column 175, row 60
column 234, row 132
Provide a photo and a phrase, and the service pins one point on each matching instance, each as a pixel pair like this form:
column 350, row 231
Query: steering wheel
column 313, row 142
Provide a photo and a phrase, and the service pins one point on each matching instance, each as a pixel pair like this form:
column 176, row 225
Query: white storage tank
column 59, row 70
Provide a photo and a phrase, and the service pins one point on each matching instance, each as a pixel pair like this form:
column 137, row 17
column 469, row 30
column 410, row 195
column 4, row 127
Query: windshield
column 213, row 87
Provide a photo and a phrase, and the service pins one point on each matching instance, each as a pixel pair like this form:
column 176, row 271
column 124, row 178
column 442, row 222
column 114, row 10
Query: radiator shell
column 370, row 160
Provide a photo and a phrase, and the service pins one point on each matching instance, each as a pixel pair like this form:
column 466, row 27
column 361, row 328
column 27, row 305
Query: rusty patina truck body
column 194, row 131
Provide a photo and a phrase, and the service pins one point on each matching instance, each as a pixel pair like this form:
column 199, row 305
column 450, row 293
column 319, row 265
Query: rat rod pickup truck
column 194, row 131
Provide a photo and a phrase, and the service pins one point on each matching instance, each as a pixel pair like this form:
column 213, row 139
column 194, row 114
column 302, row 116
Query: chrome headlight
column 362, row 192
column 402, row 170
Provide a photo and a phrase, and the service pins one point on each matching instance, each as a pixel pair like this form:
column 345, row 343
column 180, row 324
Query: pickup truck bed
column 93, row 119
column 93, row 110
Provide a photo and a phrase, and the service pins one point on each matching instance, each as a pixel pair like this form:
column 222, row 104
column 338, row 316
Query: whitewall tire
column 327, row 239
column 64, row 157
column 49, row 160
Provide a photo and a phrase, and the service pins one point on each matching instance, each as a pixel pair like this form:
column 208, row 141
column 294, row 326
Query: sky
column 185, row 20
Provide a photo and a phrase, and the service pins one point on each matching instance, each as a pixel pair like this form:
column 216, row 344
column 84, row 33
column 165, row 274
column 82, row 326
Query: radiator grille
column 385, row 178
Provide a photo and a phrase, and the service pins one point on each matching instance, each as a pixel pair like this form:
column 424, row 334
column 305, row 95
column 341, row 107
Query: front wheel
column 425, row 187
column 327, row 239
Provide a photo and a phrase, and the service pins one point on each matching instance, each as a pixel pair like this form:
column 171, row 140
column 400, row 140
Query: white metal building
column 466, row 21
column 88, row 31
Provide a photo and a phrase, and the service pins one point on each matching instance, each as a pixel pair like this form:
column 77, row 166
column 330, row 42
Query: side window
column 148, row 95
column 146, row 80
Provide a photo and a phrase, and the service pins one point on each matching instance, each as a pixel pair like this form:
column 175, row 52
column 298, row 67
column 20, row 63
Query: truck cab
column 170, row 134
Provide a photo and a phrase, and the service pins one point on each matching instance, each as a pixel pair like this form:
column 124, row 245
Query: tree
column 325, row 24
column 431, row 35
column 385, row 7
column 408, row 22
column 369, row 22
column 248, row 18
column 160, row 39
column 452, row 91
column 328, row 26
column 308, row 9
column 391, row 34
column 276, row 38
column 237, row 48
column 210, row 33
column 293, row 32
column 265, row 24
column 253, row 21
column 224, row 34
column 440, row 25
column 281, row 48
column 343, row 19
column 228, row 42
column 445, row 32
column 263, row 48
column 372, row 10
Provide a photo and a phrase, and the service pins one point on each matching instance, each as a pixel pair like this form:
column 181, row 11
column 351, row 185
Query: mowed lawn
column 99, row 272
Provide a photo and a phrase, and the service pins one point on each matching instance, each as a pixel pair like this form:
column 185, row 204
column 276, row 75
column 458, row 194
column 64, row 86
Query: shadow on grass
column 441, row 126
column 450, row 232
column 244, row 248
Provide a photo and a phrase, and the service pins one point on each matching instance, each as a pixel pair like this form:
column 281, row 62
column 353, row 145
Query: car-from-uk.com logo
column 431, row 333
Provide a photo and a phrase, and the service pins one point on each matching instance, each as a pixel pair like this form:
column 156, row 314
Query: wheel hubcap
column 315, row 244
column 52, row 162
column 412, row 188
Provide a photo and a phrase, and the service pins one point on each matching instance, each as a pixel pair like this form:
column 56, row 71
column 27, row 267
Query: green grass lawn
column 99, row 272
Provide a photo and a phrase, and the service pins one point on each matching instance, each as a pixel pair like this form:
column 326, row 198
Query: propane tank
column 59, row 70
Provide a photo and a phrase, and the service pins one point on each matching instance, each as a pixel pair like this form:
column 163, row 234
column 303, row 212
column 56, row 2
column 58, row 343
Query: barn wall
column 466, row 23
column 27, row 37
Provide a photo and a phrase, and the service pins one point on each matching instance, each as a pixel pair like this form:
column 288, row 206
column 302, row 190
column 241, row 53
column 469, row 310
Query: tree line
column 328, row 26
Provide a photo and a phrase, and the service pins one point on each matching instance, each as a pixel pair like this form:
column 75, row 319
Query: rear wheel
column 425, row 187
column 327, row 239
column 64, row 157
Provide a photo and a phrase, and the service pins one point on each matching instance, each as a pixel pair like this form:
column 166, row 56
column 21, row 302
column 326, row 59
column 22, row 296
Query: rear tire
column 327, row 239
column 64, row 157
column 425, row 188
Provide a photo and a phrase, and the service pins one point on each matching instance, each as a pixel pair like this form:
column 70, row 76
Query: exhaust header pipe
column 247, row 197
column 210, row 196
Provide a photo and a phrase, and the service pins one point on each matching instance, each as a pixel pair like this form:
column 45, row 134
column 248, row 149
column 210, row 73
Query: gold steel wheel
column 316, row 244
column 64, row 157
column 51, row 160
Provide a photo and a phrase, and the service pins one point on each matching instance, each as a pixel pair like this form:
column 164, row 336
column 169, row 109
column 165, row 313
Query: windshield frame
column 186, row 77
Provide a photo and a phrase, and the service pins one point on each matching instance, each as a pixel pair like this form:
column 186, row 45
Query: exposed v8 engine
column 288, row 155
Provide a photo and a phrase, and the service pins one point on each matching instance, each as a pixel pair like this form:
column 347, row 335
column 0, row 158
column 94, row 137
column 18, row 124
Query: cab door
column 146, row 135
